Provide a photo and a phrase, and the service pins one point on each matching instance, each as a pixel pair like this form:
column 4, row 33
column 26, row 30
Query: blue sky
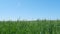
column 29, row 9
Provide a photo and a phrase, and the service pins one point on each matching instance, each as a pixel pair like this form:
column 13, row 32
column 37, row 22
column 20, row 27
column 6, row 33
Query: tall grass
column 30, row 27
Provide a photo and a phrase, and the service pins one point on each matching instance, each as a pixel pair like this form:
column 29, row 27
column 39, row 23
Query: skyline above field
column 29, row 9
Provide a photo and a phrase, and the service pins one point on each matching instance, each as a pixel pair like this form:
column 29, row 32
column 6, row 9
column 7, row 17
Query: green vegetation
column 30, row 27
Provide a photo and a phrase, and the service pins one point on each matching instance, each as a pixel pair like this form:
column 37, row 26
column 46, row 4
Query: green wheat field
column 30, row 27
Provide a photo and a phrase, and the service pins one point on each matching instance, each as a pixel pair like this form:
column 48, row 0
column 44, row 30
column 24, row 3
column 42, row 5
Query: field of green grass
column 30, row 27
